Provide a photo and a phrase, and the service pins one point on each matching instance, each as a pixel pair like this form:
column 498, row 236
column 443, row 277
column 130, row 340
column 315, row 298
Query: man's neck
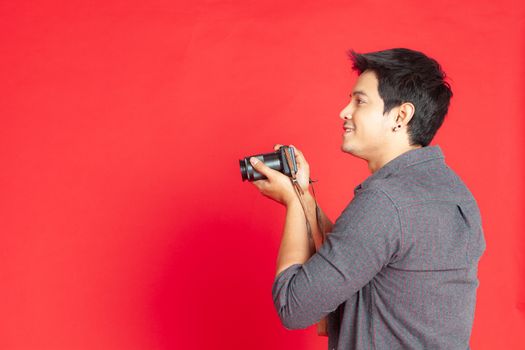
column 382, row 159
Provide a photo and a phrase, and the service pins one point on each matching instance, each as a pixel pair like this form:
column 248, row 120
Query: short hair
column 409, row 76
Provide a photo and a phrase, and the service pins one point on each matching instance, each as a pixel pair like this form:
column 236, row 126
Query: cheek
column 374, row 124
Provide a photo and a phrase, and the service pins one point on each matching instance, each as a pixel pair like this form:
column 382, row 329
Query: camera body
column 275, row 160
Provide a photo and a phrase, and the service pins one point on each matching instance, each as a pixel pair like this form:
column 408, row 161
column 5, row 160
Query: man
column 398, row 269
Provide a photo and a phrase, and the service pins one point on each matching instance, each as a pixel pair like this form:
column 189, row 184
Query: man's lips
column 348, row 128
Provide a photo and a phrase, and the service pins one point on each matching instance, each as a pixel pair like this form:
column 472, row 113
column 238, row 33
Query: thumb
column 260, row 167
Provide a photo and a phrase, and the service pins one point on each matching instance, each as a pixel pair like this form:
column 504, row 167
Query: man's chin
column 347, row 149
column 352, row 151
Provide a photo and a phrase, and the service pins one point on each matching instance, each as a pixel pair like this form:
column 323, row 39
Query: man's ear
column 405, row 113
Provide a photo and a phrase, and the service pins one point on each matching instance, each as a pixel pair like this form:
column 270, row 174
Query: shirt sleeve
column 364, row 238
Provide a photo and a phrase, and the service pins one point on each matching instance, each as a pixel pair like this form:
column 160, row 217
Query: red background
column 124, row 223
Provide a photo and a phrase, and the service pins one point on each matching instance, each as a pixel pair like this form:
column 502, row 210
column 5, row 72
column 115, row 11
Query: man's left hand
column 278, row 186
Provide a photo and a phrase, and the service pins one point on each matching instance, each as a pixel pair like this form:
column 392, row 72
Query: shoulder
column 371, row 204
column 417, row 185
column 370, row 224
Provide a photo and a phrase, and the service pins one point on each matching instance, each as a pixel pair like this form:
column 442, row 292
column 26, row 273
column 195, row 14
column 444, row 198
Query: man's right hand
column 278, row 186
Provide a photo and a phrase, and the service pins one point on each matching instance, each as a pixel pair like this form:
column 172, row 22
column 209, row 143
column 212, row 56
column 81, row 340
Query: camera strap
column 322, row 326
column 317, row 239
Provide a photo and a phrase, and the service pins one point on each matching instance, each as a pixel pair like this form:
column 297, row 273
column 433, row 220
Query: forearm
column 296, row 246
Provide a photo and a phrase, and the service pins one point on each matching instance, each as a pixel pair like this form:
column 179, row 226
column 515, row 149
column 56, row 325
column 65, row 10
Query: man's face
column 366, row 129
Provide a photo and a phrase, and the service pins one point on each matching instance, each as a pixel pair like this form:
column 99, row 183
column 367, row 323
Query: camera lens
column 275, row 160
column 249, row 173
column 244, row 173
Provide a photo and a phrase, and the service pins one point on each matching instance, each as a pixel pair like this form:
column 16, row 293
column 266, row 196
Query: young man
column 398, row 269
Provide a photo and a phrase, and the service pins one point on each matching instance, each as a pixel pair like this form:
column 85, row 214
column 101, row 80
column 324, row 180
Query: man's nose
column 346, row 113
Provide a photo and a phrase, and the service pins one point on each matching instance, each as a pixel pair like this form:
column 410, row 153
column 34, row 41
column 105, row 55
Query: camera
column 275, row 160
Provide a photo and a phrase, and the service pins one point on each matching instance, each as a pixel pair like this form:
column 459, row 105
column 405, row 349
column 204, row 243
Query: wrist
column 309, row 198
column 292, row 201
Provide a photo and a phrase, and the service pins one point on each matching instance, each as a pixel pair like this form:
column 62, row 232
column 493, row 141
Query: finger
column 299, row 157
column 277, row 146
column 261, row 167
column 296, row 150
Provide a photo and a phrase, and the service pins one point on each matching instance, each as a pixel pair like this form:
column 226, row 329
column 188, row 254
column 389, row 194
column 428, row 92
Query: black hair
column 409, row 76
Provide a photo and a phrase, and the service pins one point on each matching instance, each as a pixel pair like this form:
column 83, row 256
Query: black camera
column 275, row 160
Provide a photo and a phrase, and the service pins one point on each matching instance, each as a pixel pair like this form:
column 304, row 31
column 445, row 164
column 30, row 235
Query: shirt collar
column 402, row 161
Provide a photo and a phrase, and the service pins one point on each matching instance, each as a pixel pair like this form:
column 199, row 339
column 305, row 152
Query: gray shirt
column 399, row 269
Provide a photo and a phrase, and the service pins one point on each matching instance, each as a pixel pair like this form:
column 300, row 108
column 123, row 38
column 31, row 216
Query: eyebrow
column 358, row 92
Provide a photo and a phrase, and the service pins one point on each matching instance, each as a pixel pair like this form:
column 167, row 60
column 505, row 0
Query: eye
column 359, row 101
